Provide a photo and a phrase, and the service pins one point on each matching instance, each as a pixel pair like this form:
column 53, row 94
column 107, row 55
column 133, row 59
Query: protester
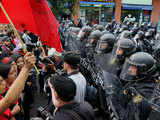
column 71, row 66
column 9, row 74
column 18, row 85
column 63, row 92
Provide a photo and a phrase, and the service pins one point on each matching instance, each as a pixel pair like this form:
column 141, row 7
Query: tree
column 63, row 6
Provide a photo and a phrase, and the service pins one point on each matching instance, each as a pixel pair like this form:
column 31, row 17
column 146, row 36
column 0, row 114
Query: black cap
column 72, row 58
column 64, row 87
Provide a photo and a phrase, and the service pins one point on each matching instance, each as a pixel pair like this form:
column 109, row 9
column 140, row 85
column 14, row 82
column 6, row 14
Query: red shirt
column 6, row 114
column 13, row 42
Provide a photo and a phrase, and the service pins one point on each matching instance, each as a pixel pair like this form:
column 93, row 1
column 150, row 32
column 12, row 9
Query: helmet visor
column 129, row 72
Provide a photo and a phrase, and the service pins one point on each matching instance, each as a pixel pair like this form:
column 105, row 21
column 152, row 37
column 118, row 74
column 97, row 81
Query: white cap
column 53, row 51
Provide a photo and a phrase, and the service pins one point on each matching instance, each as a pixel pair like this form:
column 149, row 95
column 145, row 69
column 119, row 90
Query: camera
column 43, row 113
column 48, row 77
column 47, row 60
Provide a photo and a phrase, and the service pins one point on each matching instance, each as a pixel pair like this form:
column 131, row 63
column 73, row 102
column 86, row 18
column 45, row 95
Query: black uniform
column 103, row 51
column 117, row 59
column 138, row 88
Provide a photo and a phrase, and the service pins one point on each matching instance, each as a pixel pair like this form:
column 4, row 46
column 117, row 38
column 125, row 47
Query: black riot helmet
column 105, row 32
column 140, row 35
column 143, row 26
column 125, row 35
column 123, row 28
column 138, row 67
column 105, row 44
column 127, row 47
column 85, row 32
column 94, row 37
column 149, row 33
column 134, row 30
column 100, row 28
column 94, row 27
column 122, row 50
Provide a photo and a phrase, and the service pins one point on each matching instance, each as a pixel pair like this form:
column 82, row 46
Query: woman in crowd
column 18, row 84
column 7, row 114
column 9, row 72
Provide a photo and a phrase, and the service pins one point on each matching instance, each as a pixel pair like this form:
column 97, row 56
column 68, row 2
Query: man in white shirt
column 26, row 37
column 71, row 66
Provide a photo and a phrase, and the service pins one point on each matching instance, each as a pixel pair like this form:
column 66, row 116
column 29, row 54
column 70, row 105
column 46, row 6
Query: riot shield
column 112, row 61
column 155, row 99
column 112, row 87
column 106, row 64
column 111, row 83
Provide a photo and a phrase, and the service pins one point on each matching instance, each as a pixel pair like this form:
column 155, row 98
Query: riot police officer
column 100, row 28
column 91, row 44
column 82, row 38
column 94, row 37
column 150, row 36
column 139, row 79
column 84, row 33
column 103, row 50
column 134, row 31
column 143, row 44
column 125, row 35
column 70, row 42
column 122, row 49
column 143, row 27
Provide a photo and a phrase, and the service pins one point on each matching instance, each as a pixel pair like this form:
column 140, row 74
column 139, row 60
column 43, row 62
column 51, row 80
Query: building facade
column 97, row 11
column 140, row 9
column 103, row 11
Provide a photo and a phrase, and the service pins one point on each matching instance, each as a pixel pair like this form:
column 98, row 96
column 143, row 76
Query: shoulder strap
column 75, row 115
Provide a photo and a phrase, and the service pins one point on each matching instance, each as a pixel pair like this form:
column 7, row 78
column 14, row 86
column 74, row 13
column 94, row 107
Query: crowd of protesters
column 110, row 67
column 14, row 62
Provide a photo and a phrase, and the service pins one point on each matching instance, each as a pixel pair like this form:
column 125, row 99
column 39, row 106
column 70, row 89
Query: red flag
column 35, row 16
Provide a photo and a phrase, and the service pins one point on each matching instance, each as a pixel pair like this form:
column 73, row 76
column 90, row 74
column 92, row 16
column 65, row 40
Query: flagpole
column 16, row 33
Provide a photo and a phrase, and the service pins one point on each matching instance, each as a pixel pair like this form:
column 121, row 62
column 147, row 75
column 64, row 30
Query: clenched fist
column 29, row 60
